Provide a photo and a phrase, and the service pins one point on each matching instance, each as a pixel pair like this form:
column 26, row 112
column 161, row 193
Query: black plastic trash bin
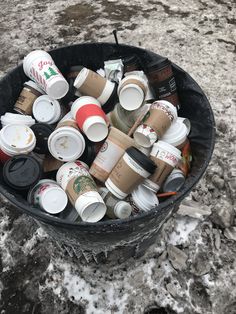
column 117, row 240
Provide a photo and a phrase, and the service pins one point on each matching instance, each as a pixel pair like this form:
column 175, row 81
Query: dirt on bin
column 192, row 267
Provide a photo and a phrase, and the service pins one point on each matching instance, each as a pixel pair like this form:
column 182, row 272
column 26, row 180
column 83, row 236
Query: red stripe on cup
column 88, row 111
column 4, row 157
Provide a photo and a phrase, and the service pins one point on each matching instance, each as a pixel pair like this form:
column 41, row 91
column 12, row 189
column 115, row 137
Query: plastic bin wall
column 116, row 240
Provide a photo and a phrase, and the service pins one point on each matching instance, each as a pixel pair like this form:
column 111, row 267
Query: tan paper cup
column 160, row 116
column 166, row 157
column 82, row 191
column 40, row 67
column 92, row 84
column 132, row 91
column 111, row 151
column 28, row 95
column 131, row 170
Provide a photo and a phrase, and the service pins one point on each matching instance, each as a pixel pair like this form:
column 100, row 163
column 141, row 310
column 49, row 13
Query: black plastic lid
column 21, row 172
column 141, row 159
column 158, row 64
column 42, row 132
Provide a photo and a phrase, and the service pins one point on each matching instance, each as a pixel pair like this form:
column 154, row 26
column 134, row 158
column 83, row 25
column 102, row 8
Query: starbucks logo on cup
column 84, row 184
column 104, row 147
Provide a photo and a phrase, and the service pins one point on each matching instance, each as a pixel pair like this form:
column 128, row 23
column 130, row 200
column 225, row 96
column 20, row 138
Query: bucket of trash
column 98, row 152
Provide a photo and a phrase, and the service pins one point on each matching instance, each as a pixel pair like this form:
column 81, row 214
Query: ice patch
column 184, row 226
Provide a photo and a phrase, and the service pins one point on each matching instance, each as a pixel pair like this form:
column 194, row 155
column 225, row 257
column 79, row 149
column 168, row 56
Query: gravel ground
column 191, row 268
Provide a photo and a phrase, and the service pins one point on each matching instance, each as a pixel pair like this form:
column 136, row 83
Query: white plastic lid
column 53, row 200
column 66, row 144
column 57, row 87
column 144, row 198
column 131, row 97
column 90, row 206
column 14, row 118
column 17, row 137
column 187, row 123
column 95, row 128
column 46, row 109
column 176, row 133
column 122, row 210
column 81, row 77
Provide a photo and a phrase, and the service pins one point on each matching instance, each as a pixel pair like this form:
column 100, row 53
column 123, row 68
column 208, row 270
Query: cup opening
column 95, row 131
column 142, row 140
column 131, row 97
column 94, row 212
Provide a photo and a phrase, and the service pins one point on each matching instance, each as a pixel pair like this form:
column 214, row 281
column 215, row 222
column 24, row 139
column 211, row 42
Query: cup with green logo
column 81, row 189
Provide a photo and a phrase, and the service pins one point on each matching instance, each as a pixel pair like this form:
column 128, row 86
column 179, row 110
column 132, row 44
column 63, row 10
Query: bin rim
column 117, row 223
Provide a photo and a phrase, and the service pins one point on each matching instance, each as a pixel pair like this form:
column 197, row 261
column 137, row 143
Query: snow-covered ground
column 192, row 267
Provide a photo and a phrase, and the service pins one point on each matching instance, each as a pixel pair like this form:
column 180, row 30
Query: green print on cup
column 50, row 74
column 84, row 184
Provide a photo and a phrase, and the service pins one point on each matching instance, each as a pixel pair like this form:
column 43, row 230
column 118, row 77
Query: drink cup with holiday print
column 40, row 67
column 48, row 196
column 166, row 157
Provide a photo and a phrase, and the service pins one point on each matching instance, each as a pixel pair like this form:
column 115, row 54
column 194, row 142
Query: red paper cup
column 90, row 118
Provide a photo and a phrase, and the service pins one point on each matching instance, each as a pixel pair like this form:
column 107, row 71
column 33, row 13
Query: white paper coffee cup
column 40, row 67
column 49, row 196
column 166, row 157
